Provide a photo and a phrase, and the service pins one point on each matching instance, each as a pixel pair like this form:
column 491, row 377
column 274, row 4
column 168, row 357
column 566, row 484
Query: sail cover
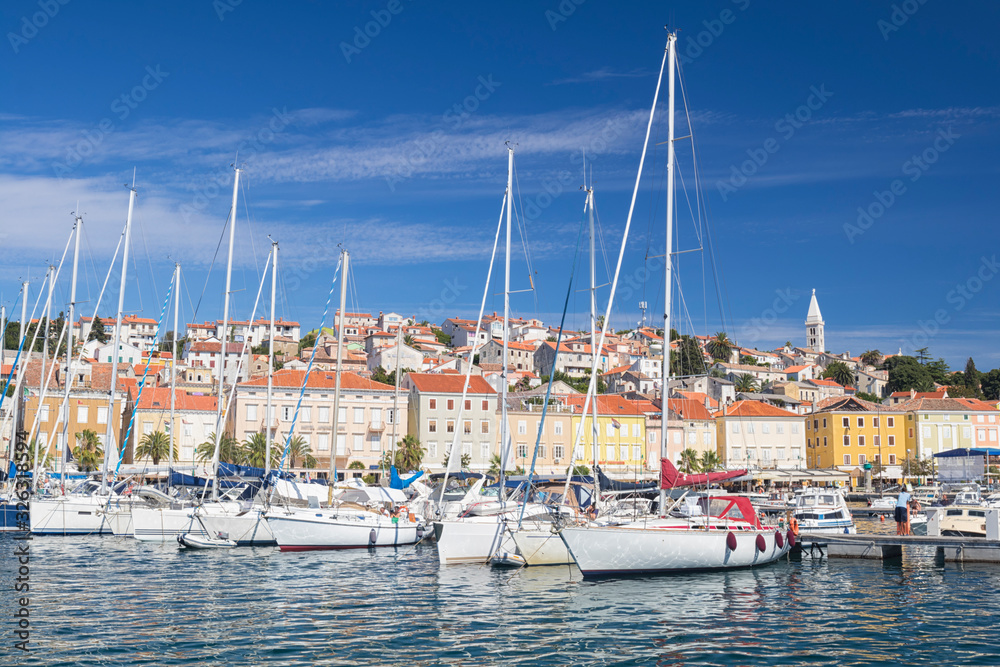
column 670, row 477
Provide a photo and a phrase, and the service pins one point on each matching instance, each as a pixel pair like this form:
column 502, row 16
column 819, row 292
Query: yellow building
column 845, row 432
column 621, row 432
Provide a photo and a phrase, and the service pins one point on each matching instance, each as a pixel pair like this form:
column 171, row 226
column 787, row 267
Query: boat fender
column 779, row 539
column 791, row 538
column 794, row 526
column 881, row 518
column 731, row 541
column 761, row 543
column 372, row 537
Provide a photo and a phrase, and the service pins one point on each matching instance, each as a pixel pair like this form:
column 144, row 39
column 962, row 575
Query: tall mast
column 225, row 327
column 504, row 428
column 173, row 373
column 594, row 432
column 109, row 436
column 268, row 421
column 69, row 352
column 395, row 397
column 344, row 266
column 41, row 443
column 16, row 413
column 665, row 392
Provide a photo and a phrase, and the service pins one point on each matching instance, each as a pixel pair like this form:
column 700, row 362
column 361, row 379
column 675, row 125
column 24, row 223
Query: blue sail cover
column 397, row 482
column 181, row 479
column 233, row 470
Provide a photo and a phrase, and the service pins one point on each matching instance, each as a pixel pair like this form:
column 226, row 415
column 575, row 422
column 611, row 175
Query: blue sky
column 357, row 141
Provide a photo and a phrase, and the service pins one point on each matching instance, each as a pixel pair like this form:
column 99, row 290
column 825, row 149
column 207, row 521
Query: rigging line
column 20, row 349
column 214, row 257
column 522, row 227
column 135, row 270
column 149, row 259
column 246, row 208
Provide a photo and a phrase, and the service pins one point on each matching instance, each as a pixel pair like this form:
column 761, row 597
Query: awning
column 971, row 451
column 795, row 475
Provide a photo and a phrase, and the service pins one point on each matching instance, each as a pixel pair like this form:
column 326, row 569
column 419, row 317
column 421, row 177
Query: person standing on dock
column 902, row 510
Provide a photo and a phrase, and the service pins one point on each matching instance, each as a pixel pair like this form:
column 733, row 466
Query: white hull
column 472, row 540
column 248, row 528
column 541, row 547
column 312, row 529
column 69, row 515
column 609, row 551
column 162, row 524
column 120, row 521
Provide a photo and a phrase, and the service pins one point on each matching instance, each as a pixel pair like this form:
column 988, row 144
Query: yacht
column 823, row 510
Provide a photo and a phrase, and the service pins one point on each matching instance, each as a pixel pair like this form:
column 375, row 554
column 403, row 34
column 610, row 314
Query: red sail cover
column 671, row 478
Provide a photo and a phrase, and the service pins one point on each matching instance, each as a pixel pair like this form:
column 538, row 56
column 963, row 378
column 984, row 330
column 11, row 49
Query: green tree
column 687, row 359
column 97, row 331
column 255, row 451
column 871, row 398
column 990, row 385
column 720, row 347
column 31, row 454
column 906, row 373
column 309, row 340
column 581, row 470
column 709, row 461
column 380, row 375
column 840, row 373
column 745, row 383
column 972, row 377
column 871, row 357
column 156, row 446
column 442, row 337
column 356, row 465
column 689, row 461
column 408, row 340
column 747, row 360
column 922, row 354
column 230, row 450
column 299, row 452
column 939, row 371
column 409, row 453
column 88, row 453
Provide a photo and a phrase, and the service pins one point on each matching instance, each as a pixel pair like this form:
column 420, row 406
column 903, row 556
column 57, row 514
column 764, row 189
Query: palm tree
column 408, row 340
column 709, row 461
column 255, row 451
column 31, row 452
column 871, row 357
column 298, row 450
column 409, row 453
column 356, row 465
column 230, row 450
column 689, row 460
column 89, row 454
column 840, row 373
column 720, row 347
column 745, row 383
column 156, row 446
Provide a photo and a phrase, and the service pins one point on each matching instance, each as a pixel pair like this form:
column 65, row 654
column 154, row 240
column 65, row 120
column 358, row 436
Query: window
column 522, row 451
column 890, row 421
column 749, row 427
column 847, row 441
column 781, row 429
column 324, row 442
column 251, row 413
column 467, row 427
column 557, row 452
column 636, row 452
column 389, row 419
column 432, row 404
column 287, row 413
column 735, row 428
column 432, row 449
column 609, row 430
column 484, row 426
column 484, row 451
column 82, row 414
column 557, row 428
column 993, row 435
column 451, row 404
column 45, row 413
column 147, row 428
column 847, row 459
column 892, row 441
column 305, row 414
column 861, row 459
column 449, row 426
column 359, row 415
column 765, row 428
column 982, row 433
column 946, row 431
column 795, row 429
column 102, row 415
column 966, row 432
column 736, row 453
column 878, row 441
column 522, row 427
column 467, row 449
column 847, row 422
column 677, row 437
column 187, row 429
column 815, row 424
column 861, row 441
column 324, row 414
column 358, row 442
column 861, row 422
column 611, row 455
column 375, row 442
column 376, row 417
column 824, row 441
column 824, row 422
column 926, row 431
column 432, row 426
column 341, row 444
column 892, row 459
column 342, row 416
column 781, row 454
column 875, row 422
column 635, row 431
column 486, row 404
column 468, row 404
column 751, row 455
column 767, row 456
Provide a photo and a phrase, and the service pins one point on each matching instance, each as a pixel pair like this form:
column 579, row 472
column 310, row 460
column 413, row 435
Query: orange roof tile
column 319, row 380
column 440, row 383
column 755, row 409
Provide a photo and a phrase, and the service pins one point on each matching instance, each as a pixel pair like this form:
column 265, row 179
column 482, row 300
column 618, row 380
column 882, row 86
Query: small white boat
column 966, row 521
column 198, row 541
column 823, row 510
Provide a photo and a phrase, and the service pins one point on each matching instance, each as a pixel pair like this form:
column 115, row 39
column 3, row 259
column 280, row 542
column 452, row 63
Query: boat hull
column 541, row 547
column 617, row 551
column 473, row 540
column 163, row 524
column 313, row 530
column 247, row 529
column 69, row 515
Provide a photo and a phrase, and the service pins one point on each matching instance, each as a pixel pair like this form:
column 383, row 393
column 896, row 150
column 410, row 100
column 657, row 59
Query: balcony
column 376, row 426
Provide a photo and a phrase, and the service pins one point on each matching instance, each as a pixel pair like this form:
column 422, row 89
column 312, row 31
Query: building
column 935, row 425
column 193, row 424
column 846, row 433
column 391, row 358
column 520, row 356
column 365, row 425
column 815, row 337
column 756, row 435
column 575, row 358
column 435, row 416
column 524, row 414
column 621, row 431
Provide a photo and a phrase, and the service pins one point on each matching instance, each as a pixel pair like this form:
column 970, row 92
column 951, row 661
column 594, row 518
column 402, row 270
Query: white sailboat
column 728, row 533
column 350, row 521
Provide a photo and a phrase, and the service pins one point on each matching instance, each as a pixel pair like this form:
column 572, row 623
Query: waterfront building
column 935, row 425
column 194, row 420
column 752, row 435
column 847, row 432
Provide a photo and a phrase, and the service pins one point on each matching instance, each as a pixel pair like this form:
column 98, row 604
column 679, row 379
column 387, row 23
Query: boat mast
column 504, row 427
column 78, row 229
column 345, row 258
column 395, row 396
column 16, row 413
column 270, row 363
column 667, row 285
column 594, row 432
column 173, row 373
column 109, row 436
column 225, row 326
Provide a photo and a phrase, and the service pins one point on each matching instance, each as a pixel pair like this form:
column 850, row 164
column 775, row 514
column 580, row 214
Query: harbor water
column 112, row 601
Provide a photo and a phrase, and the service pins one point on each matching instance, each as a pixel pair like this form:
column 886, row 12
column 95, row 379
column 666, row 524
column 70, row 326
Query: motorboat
column 823, row 510
column 963, row 521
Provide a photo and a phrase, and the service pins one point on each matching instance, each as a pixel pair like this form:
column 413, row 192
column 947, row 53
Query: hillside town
column 793, row 413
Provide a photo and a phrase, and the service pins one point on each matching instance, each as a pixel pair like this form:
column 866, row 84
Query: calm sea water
column 110, row 601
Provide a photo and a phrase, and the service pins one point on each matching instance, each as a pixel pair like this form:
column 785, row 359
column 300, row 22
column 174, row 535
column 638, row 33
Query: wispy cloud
column 602, row 74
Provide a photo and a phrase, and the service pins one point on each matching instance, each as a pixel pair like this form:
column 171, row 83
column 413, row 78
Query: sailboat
column 727, row 533
column 349, row 522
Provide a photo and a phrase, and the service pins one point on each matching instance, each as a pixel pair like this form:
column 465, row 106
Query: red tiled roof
column 700, row 397
column 441, row 383
column 689, row 408
column 319, row 380
column 158, row 398
column 755, row 409
column 615, row 371
column 613, row 404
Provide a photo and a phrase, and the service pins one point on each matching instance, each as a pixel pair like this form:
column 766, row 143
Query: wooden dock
column 836, row 545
